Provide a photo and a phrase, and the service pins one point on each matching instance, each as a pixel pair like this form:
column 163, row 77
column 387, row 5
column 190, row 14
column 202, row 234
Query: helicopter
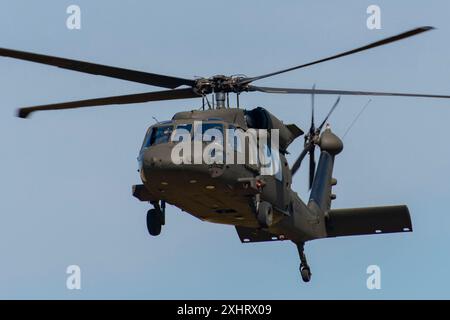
column 262, row 207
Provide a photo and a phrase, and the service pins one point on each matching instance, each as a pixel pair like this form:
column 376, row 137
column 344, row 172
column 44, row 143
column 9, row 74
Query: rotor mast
column 220, row 100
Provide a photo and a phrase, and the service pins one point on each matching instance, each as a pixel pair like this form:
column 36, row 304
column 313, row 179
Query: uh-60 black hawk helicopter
column 261, row 207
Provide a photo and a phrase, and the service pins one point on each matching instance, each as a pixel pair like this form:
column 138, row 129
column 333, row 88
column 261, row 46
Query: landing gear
column 156, row 218
column 305, row 271
column 154, row 222
column 306, row 274
column 264, row 214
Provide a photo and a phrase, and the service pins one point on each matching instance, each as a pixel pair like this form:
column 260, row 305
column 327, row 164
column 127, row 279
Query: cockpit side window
column 160, row 135
column 146, row 142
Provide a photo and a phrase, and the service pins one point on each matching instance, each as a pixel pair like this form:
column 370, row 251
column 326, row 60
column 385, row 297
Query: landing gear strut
column 305, row 271
column 156, row 218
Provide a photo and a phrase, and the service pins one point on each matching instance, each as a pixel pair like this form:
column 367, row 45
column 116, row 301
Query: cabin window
column 212, row 131
column 234, row 138
column 209, row 132
column 160, row 135
column 180, row 131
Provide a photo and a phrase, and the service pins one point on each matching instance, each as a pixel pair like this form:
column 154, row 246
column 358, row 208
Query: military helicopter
column 262, row 207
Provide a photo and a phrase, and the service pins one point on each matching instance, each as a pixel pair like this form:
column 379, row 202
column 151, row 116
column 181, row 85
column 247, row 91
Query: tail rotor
column 312, row 140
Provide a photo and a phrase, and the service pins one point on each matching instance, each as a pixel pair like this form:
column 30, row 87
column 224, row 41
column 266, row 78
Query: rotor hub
column 219, row 83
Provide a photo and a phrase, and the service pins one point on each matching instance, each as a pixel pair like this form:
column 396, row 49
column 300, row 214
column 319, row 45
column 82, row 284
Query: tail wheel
column 154, row 222
column 305, row 273
column 265, row 214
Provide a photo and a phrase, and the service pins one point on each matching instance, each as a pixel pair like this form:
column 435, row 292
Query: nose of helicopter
column 166, row 179
column 158, row 162
column 159, row 157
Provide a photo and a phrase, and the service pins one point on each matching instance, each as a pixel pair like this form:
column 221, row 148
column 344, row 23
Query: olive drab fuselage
column 223, row 193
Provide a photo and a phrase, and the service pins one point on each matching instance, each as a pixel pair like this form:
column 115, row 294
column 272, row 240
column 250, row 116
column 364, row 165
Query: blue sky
column 67, row 176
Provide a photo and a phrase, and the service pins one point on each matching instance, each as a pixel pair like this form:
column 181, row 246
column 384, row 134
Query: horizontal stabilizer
column 362, row 221
column 256, row 235
column 141, row 192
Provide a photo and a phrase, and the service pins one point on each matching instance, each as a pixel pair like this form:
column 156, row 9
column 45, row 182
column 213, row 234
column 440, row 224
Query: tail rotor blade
column 299, row 160
column 312, row 166
column 312, row 128
column 329, row 113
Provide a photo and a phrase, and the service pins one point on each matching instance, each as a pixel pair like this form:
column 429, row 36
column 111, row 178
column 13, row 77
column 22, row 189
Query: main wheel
column 265, row 214
column 306, row 274
column 154, row 222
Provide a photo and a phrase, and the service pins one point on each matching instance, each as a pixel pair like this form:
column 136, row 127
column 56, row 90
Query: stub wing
column 363, row 221
column 248, row 235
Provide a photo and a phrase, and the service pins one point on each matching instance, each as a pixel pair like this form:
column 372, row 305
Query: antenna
column 205, row 97
column 356, row 118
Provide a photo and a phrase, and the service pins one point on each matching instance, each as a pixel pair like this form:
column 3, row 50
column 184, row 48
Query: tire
column 306, row 274
column 265, row 214
column 154, row 222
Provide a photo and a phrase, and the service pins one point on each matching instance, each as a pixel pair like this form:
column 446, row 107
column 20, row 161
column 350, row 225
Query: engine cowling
column 260, row 118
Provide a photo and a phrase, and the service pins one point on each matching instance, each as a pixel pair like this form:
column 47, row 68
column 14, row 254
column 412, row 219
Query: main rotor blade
column 299, row 160
column 329, row 113
column 125, row 99
column 343, row 92
column 98, row 69
column 379, row 43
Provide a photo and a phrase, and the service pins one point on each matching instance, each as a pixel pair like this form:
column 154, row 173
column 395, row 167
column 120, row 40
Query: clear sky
column 66, row 176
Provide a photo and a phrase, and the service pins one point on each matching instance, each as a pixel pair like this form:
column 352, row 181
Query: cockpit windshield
column 169, row 133
column 154, row 136
column 160, row 135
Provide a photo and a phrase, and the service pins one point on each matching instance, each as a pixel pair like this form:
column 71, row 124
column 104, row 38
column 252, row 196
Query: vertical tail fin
column 320, row 196
column 330, row 146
